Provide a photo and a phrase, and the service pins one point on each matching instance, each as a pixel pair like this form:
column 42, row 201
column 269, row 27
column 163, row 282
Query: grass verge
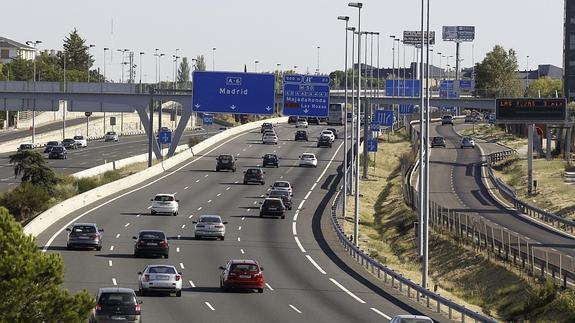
column 491, row 133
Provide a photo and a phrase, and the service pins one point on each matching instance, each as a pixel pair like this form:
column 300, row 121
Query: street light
column 353, row 113
column 345, row 165
column 317, row 70
column 213, row 59
column 358, row 5
column 34, row 78
column 141, row 53
column 90, row 46
column 256, row 65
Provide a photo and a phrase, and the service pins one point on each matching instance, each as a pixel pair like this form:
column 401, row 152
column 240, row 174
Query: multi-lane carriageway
column 309, row 277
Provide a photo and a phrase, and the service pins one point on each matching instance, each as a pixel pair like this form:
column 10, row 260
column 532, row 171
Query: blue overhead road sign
column 406, row 108
column 231, row 92
column 384, row 117
column 408, row 88
column 306, row 95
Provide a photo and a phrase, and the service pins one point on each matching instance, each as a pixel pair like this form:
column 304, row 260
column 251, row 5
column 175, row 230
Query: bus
column 335, row 114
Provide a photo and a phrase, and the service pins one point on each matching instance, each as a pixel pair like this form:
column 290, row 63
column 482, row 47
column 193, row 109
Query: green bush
column 87, row 183
column 25, row 201
column 110, row 176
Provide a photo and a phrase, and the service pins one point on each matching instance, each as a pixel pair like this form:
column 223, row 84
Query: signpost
column 234, row 93
column 165, row 137
column 208, row 119
column 306, row 95
column 414, row 38
column 458, row 33
column 384, row 117
column 531, row 110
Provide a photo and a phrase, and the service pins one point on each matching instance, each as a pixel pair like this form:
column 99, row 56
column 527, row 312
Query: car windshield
column 327, row 132
column 244, row 267
column 161, row 270
column 281, row 184
column 26, row 146
column 152, row 235
column 272, row 203
column 282, row 193
column 84, row 229
column 272, row 157
column 68, row 140
column 226, row 157
column 52, row 143
column 58, row 149
column 78, row 137
column 164, row 198
column 211, row 219
column 437, row 138
column 253, row 171
column 301, row 132
column 117, row 299
column 306, row 156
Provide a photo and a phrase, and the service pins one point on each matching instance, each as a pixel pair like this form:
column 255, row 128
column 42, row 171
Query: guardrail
column 405, row 286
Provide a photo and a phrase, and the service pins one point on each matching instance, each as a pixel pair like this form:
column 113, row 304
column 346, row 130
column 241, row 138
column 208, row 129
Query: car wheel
column 98, row 248
column 166, row 256
column 142, row 292
column 217, row 169
column 222, row 238
column 179, row 293
column 283, row 216
column 260, row 290
column 234, row 170
column 175, row 213
column 69, row 247
column 245, row 183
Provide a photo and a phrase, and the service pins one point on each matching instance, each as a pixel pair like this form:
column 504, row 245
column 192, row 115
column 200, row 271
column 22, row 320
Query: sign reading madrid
column 232, row 92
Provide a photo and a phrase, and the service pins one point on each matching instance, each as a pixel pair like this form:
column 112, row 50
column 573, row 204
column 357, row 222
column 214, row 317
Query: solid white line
column 110, row 263
column 306, row 196
column 295, row 215
column 210, row 306
column 181, row 265
column 111, row 248
column 117, row 236
column 315, row 264
column 300, row 205
column 186, row 187
column 295, row 308
column 177, row 249
column 114, row 282
column 183, row 226
column 347, row 291
column 242, row 251
column 192, row 284
column 299, row 244
column 294, row 229
column 240, row 228
column 381, row 313
column 268, row 286
column 126, row 225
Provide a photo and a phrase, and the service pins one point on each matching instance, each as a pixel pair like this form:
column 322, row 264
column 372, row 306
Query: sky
column 279, row 32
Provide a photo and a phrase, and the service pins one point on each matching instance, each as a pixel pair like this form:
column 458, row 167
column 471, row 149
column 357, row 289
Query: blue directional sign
column 447, row 89
column 492, row 118
column 372, row 145
column 165, row 137
column 208, row 119
column 406, row 108
column 409, row 88
column 465, row 84
column 374, row 126
column 306, row 95
column 231, row 92
column 384, row 117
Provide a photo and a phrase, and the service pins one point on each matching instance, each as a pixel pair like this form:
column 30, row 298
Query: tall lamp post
column 256, row 65
column 357, row 5
column 34, row 106
column 104, row 81
column 353, row 113
column 345, row 164
column 90, row 46
column 213, row 59
column 123, row 51
column 141, row 53
column 317, row 70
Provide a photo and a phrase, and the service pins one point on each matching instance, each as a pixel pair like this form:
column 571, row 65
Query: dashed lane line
column 315, row 264
column 210, row 306
column 381, row 313
column 347, row 291
column 295, row 309
column 268, row 286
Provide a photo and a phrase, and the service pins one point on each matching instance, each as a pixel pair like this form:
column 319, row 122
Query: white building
column 10, row 49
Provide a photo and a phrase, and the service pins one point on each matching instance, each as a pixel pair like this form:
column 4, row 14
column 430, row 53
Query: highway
column 22, row 133
column 309, row 277
column 456, row 184
column 98, row 152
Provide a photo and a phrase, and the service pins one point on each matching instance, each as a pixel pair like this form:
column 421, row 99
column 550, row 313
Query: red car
column 242, row 274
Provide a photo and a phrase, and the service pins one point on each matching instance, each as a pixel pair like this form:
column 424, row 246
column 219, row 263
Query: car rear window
column 68, row 140
column 253, row 171
column 210, row 219
column 110, row 133
column 281, row 184
column 306, row 156
column 225, row 157
column 275, row 193
column 164, row 198
column 78, row 137
column 84, row 229
column 117, row 299
column 272, row 203
column 244, row 267
column 57, row 149
column 52, row 143
column 162, row 270
column 152, row 235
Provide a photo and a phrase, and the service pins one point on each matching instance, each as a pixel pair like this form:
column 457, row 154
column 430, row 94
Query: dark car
column 117, row 304
column 335, row 132
column 58, row 152
column 70, row 143
column 273, row 207
column 313, row 120
column 324, row 141
column 50, row 145
column 227, row 162
column 438, row 142
column 254, row 175
column 266, row 125
column 271, row 160
column 24, row 147
column 84, row 235
column 151, row 242
column 284, row 195
column 292, row 119
column 301, row 135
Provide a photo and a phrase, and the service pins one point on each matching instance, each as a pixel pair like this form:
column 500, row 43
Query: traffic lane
column 57, row 125
column 476, row 199
column 488, row 147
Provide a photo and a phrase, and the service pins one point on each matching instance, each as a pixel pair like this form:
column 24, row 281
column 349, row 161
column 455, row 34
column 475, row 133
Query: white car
column 411, row 319
column 307, row 159
column 111, row 136
column 160, row 278
column 210, row 226
column 467, row 142
column 328, row 133
column 282, row 185
column 301, row 123
column 165, row 203
column 270, row 138
column 81, row 141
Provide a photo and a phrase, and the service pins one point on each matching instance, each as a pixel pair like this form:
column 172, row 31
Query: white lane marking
column 295, row 309
column 315, row 264
column 240, row 228
column 191, row 215
column 192, row 284
column 381, row 313
column 114, row 282
column 248, row 210
column 175, row 193
column 210, row 306
column 281, row 177
column 307, row 195
column 183, row 226
column 255, row 202
column 186, row 187
column 242, row 251
column 200, row 208
column 244, row 149
column 206, row 175
column 262, row 195
column 313, row 186
column 126, row 225
column 110, row 263
column 197, row 180
column 112, row 248
column 250, row 146
column 181, row 265
column 347, row 291
column 117, row 236
column 268, row 286
column 149, row 207
column 209, row 201
column 179, row 236
column 300, row 205
column 239, row 239
column 219, row 194
column 177, row 249
column 299, row 244
column 295, row 215
column 235, row 182
column 293, row 227
column 228, row 188
column 138, row 215
column 243, row 217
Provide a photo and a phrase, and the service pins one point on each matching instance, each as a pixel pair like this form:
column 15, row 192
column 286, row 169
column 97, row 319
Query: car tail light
column 178, row 277
column 138, row 309
column 163, row 244
column 146, row 277
column 258, row 275
column 94, row 236
column 98, row 307
column 140, row 243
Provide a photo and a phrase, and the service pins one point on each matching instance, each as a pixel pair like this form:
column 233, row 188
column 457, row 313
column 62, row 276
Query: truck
column 336, row 114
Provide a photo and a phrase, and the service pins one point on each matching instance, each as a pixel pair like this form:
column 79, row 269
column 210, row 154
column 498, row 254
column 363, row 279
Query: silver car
column 111, row 136
column 210, row 226
column 270, row 139
column 411, row 319
column 160, row 278
column 467, row 142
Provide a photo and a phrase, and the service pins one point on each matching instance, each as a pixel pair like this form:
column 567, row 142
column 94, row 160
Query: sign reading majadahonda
column 530, row 110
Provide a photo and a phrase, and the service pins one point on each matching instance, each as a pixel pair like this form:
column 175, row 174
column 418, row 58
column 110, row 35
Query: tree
column 76, row 53
column 21, row 69
column 25, row 201
column 546, row 87
column 200, row 63
column 337, row 79
column 184, row 72
column 30, row 281
column 496, row 75
column 33, row 168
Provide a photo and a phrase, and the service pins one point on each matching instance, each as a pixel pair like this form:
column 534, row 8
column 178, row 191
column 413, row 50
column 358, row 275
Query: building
column 546, row 70
column 569, row 51
column 10, row 49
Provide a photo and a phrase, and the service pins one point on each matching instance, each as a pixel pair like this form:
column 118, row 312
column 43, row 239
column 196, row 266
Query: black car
column 438, row 142
column 50, row 145
column 292, row 119
column 151, row 242
column 273, row 207
column 254, row 175
column 324, row 141
column 266, row 125
column 58, row 152
column 335, row 132
column 284, row 195
column 271, row 160
column 313, row 120
column 117, row 304
column 69, row 143
column 301, row 135
column 226, row 162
